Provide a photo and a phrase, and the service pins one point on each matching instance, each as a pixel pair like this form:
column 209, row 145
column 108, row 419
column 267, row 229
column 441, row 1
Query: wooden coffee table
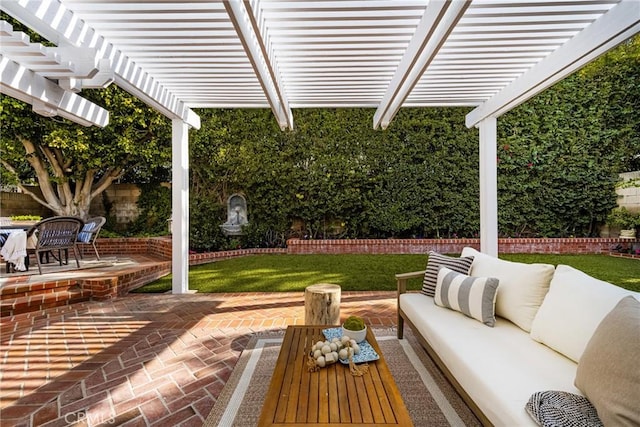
column 330, row 396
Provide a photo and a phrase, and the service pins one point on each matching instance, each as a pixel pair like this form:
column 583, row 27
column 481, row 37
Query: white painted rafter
column 54, row 21
column 244, row 22
column 46, row 61
column 46, row 97
column 178, row 55
column 27, row 69
column 439, row 19
column 618, row 24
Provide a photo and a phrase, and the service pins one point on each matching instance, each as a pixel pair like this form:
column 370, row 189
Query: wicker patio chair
column 56, row 234
column 89, row 233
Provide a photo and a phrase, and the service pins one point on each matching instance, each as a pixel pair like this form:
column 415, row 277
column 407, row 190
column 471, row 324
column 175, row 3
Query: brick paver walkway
column 139, row 360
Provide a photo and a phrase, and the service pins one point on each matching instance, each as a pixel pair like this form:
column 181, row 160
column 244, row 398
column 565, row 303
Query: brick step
column 20, row 297
column 17, row 290
column 31, row 302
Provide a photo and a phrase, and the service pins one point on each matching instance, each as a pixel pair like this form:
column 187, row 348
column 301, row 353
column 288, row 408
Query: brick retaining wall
column 130, row 246
column 195, row 259
column 110, row 287
column 161, row 247
column 423, row 246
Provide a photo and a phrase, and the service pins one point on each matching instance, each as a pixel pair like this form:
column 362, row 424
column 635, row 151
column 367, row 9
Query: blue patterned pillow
column 85, row 235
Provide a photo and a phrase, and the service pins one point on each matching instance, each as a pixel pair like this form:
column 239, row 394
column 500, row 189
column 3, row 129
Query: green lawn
column 277, row 273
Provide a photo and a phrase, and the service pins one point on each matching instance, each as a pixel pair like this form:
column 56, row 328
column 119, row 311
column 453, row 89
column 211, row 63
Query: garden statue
column 236, row 215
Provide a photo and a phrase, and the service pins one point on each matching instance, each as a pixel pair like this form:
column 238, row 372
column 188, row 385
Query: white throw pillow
column 573, row 309
column 522, row 286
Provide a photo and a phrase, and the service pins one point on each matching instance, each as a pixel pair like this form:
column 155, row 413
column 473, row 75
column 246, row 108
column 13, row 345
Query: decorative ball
column 344, row 354
column 321, row 361
column 356, row 349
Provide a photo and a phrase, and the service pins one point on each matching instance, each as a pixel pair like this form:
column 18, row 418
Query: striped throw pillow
column 473, row 296
column 436, row 260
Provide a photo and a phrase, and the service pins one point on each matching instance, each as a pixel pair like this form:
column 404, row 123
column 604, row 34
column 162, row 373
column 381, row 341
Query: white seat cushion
column 500, row 367
column 522, row 286
column 573, row 309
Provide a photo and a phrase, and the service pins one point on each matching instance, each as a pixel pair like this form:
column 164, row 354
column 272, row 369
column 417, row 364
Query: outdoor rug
column 428, row 396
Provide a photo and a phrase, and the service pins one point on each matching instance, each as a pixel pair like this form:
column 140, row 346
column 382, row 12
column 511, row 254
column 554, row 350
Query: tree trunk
column 60, row 198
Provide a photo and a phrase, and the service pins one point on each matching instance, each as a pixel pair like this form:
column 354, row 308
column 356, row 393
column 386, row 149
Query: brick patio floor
column 142, row 360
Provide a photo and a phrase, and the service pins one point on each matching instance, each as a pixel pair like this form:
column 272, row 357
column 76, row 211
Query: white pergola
column 282, row 54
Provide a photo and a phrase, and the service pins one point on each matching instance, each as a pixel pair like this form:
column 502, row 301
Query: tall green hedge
column 334, row 176
column 561, row 152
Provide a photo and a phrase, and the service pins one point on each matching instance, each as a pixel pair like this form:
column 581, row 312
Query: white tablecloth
column 14, row 249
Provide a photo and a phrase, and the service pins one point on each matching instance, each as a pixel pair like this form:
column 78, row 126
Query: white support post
column 488, row 187
column 180, row 207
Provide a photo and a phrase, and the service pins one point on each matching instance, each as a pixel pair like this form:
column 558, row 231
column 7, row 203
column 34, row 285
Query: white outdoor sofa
column 545, row 317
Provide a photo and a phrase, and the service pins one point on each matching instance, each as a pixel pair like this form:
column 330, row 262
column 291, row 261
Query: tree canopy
column 72, row 164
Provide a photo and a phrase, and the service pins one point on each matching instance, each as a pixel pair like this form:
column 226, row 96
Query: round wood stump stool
column 322, row 304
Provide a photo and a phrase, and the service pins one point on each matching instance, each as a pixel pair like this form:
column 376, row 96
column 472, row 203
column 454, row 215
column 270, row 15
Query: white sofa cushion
column 522, row 286
column 573, row 309
column 499, row 368
column 472, row 296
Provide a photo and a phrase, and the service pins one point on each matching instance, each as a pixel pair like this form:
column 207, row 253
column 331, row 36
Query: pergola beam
column 50, row 62
column 46, row 97
column 54, row 21
column 244, row 22
column 438, row 21
column 611, row 29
